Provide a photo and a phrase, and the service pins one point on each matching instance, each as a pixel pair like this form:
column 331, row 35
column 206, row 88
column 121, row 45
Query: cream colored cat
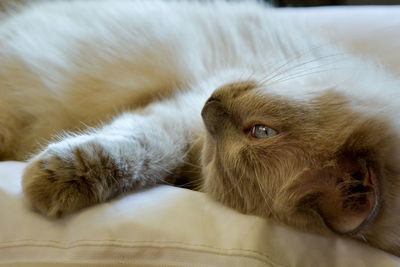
column 231, row 98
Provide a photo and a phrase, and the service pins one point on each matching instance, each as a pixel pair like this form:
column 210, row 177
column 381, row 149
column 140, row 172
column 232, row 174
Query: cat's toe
column 63, row 179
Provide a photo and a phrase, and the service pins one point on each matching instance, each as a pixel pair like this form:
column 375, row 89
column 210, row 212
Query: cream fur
column 128, row 81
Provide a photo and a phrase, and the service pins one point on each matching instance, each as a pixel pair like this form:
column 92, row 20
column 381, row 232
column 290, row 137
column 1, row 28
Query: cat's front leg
column 133, row 152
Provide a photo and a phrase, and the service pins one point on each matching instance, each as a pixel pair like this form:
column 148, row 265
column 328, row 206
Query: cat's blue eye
column 262, row 131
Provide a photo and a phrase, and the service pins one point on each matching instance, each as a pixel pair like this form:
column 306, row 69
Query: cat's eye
column 261, row 131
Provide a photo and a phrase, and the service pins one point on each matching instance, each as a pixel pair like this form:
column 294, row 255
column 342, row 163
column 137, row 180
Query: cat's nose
column 213, row 114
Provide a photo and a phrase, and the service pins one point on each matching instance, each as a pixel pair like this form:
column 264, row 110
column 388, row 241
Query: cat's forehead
column 252, row 94
column 295, row 91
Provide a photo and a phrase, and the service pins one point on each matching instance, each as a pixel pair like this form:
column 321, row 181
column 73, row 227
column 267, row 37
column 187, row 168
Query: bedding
column 163, row 226
column 169, row 226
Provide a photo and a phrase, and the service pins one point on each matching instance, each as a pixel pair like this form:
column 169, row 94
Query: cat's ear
column 345, row 196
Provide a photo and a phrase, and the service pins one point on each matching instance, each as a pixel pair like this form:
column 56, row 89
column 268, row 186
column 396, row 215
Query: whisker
column 308, row 51
column 268, row 79
column 362, row 236
column 303, row 75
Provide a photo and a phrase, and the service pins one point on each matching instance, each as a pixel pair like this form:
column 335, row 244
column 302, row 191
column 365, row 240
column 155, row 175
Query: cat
column 233, row 99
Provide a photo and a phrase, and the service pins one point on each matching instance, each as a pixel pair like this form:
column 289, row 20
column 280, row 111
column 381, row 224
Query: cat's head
column 315, row 163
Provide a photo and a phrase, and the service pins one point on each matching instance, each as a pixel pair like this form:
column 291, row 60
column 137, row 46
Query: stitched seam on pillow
column 151, row 244
column 112, row 262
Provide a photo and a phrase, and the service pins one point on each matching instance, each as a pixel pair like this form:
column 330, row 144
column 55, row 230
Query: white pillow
column 167, row 226
column 163, row 226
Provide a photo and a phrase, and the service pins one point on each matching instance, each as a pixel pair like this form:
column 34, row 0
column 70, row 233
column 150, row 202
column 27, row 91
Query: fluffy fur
column 153, row 92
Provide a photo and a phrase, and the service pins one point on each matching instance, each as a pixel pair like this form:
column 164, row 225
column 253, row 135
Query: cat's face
column 314, row 164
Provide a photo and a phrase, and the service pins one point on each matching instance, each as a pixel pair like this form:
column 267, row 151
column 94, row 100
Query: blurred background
column 278, row 3
column 294, row 3
column 283, row 3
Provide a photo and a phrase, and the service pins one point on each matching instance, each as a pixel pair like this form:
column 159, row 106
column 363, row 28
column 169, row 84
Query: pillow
column 162, row 226
column 168, row 226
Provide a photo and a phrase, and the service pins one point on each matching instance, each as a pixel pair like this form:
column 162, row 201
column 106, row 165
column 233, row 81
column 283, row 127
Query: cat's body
column 153, row 65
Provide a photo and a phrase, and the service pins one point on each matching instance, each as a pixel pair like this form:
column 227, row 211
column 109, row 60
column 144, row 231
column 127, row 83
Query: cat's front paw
column 70, row 175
